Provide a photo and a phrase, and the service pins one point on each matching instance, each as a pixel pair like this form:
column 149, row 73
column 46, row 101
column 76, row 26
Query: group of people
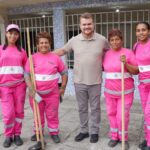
column 15, row 76
column 93, row 53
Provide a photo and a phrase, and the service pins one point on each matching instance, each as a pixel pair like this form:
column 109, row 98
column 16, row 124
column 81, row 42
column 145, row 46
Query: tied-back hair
column 148, row 28
column 17, row 43
column 145, row 23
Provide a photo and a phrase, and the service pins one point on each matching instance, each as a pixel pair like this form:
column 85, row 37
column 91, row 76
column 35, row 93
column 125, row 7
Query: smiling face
column 87, row 26
column 142, row 32
column 115, row 43
column 12, row 37
column 43, row 45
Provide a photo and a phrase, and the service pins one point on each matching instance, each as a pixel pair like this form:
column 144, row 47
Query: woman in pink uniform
column 112, row 91
column 142, row 53
column 12, row 85
column 47, row 66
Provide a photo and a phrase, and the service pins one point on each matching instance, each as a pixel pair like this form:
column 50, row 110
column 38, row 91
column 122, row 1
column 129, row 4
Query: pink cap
column 12, row 26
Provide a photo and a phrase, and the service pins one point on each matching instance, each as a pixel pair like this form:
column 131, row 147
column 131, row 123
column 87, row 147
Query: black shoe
column 56, row 138
column 113, row 143
column 33, row 137
column 8, row 141
column 37, row 146
column 17, row 140
column 81, row 136
column 94, row 138
column 143, row 144
column 145, row 148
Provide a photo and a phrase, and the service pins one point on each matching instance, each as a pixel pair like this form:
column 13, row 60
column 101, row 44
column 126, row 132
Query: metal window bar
column 124, row 20
column 36, row 25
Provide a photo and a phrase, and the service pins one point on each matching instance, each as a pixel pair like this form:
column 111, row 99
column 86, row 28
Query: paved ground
column 69, row 126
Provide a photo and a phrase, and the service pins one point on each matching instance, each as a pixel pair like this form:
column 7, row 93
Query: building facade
column 61, row 19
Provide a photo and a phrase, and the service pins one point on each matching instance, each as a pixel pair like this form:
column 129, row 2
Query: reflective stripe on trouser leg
column 41, row 106
column 147, row 117
column 125, row 135
column 51, row 110
column 114, row 133
column 9, row 129
column 111, row 108
column 38, row 130
column 19, row 96
column 18, row 126
column 144, row 94
column 148, row 135
column 128, row 103
column 8, row 110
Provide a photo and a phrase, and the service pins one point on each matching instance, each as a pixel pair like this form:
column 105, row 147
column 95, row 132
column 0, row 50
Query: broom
column 37, row 119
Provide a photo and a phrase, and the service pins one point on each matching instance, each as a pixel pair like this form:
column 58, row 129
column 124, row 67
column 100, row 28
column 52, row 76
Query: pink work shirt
column 112, row 64
column 142, row 54
column 46, row 66
column 12, row 62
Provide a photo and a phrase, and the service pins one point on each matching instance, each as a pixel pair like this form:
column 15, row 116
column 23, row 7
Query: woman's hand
column 123, row 59
column 32, row 92
column 62, row 90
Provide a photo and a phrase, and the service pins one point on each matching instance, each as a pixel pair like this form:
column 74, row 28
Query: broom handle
column 122, row 98
column 35, row 105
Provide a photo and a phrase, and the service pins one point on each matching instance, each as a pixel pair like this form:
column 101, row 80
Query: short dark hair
column 86, row 15
column 43, row 35
column 115, row 32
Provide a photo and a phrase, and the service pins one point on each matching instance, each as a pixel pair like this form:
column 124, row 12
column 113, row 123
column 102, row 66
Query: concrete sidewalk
column 69, row 128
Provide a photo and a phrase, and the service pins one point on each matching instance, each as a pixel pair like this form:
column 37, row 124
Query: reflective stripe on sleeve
column 145, row 81
column 148, row 127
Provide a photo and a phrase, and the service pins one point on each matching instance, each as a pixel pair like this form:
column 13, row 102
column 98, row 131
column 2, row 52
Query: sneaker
column 81, row 136
column 94, row 138
column 8, row 141
column 17, row 140
column 146, row 148
column 143, row 144
column 55, row 138
column 113, row 143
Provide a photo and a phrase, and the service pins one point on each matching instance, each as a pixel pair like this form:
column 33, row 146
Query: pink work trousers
column 12, row 102
column 49, row 107
column 114, row 112
column 144, row 90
